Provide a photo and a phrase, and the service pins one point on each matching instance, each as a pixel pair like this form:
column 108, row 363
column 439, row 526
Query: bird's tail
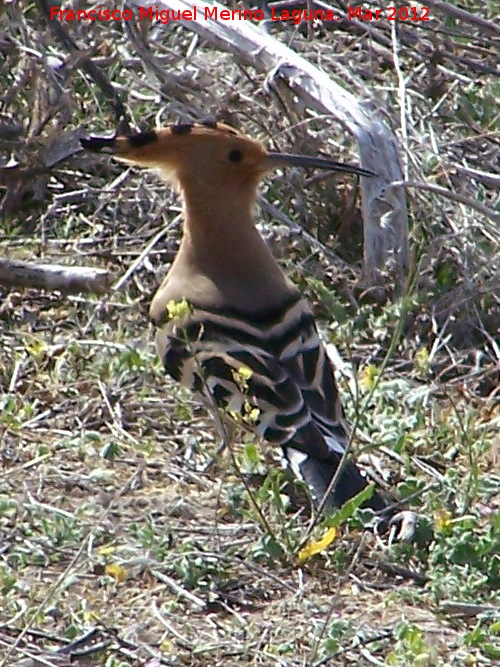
column 318, row 473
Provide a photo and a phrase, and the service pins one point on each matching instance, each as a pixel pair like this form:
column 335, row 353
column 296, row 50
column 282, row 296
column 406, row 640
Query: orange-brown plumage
column 222, row 259
column 245, row 311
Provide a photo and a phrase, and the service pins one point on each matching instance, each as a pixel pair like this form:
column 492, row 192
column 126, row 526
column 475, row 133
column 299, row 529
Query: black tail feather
column 318, row 474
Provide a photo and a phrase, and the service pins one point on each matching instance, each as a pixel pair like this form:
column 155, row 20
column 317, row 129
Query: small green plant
column 485, row 637
column 197, row 570
column 411, row 648
column 337, row 632
column 8, row 580
column 153, row 538
column 464, row 560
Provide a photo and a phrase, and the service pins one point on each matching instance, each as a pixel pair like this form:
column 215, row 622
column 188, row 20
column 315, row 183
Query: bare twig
column 399, row 571
column 467, row 608
column 67, row 279
column 178, row 590
column 463, row 15
column 455, row 196
column 56, row 27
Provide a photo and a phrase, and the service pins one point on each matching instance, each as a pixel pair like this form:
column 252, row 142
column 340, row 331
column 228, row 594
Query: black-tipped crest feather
column 142, row 138
column 97, row 143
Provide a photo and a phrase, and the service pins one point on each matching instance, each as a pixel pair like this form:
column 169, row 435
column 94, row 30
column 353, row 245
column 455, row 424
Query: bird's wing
column 244, row 379
column 276, row 379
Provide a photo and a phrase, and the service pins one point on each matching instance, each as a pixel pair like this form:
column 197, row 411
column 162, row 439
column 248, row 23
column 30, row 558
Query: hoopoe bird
column 246, row 340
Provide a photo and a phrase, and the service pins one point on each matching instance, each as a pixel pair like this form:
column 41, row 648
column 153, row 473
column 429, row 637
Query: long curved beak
column 275, row 159
column 116, row 145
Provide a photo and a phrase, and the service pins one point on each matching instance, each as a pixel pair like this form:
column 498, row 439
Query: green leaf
column 349, row 508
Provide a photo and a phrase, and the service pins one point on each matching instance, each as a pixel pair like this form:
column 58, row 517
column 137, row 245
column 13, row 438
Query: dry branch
column 95, row 72
column 463, row 15
column 67, row 279
column 384, row 210
column 454, row 196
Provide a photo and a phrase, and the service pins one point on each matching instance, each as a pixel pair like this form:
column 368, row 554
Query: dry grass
column 109, row 524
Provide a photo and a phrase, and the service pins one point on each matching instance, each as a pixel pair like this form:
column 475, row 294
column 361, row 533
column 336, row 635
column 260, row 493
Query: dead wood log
column 50, row 277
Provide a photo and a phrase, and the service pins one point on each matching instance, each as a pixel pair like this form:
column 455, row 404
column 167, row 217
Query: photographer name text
column 214, row 13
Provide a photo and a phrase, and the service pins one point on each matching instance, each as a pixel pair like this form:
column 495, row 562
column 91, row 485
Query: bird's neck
column 221, row 236
column 222, row 250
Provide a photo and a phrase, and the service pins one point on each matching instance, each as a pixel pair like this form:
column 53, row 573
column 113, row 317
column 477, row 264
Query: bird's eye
column 235, row 155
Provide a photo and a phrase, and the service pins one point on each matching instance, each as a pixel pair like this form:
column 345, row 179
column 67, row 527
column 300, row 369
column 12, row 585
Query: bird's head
column 206, row 156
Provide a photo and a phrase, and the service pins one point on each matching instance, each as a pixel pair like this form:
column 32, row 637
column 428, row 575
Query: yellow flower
column 369, row 376
column 317, row 546
column 245, row 372
column 177, row 310
column 443, row 521
column 118, row 572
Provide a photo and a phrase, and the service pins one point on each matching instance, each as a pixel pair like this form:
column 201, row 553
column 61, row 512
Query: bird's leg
column 225, row 429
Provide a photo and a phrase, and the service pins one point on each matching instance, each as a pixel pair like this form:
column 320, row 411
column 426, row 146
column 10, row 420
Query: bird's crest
column 135, row 140
column 215, row 149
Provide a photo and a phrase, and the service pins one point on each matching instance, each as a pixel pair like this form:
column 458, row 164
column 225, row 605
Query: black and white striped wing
column 273, row 372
